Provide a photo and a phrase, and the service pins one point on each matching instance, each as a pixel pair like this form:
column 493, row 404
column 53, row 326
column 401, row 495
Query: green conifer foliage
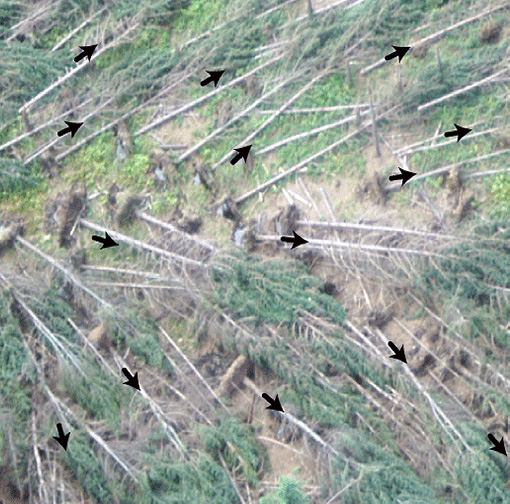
column 201, row 481
column 238, row 445
column 15, row 406
column 17, row 178
column 474, row 276
column 370, row 474
column 288, row 493
column 270, row 290
column 87, row 467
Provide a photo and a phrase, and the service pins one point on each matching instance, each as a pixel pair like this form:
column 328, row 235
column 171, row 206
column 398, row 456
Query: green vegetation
column 368, row 473
column 16, row 403
column 140, row 334
column 201, row 480
column 97, row 393
column 386, row 441
column 17, row 178
column 88, row 468
column 238, row 445
column 500, row 196
column 270, row 291
column 287, row 493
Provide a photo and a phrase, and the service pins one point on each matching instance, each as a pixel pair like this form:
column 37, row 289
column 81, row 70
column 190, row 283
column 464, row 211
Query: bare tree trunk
column 295, row 168
column 305, row 134
column 439, row 63
column 358, row 246
column 303, row 163
column 462, row 90
column 76, row 69
column 445, row 169
column 437, row 35
column 298, row 423
column 367, row 227
column 194, row 103
column 19, row 138
column 202, row 142
column 49, row 145
column 272, row 117
column 374, row 126
column 79, row 144
column 312, row 110
column 140, row 244
column 77, row 29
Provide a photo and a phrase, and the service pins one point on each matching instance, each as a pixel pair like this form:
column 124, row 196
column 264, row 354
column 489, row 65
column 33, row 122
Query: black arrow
column 72, row 127
column 214, row 76
column 399, row 51
column 107, row 241
column 132, row 380
column 273, row 404
column 296, row 240
column 242, row 153
column 459, row 132
column 499, row 446
column 399, row 352
column 62, row 438
column 404, row 176
column 88, row 51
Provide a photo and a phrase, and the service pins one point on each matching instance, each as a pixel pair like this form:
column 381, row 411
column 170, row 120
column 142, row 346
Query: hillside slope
column 203, row 300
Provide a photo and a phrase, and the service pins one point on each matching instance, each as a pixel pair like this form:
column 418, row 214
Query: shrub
column 288, row 493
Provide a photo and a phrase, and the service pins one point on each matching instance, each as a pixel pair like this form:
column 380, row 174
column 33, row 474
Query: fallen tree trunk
column 66, row 272
column 298, row 423
column 314, row 131
column 49, row 145
column 273, row 117
column 445, row 169
column 77, row 29
column 238, row 116
column 173, row 229
column 366, row 227
column 194, row 103
column 302, row 164
column 439, row 34
column 53, row 120
column 479, row 83
column 358, row 246
column 421, row 145
column 140, row 244
column 104, row 128
column 487, row 173
column 313, row 110
column 75, row 70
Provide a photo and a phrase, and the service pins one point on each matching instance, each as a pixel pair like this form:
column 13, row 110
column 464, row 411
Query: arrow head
column 461, row 131
column 73, row 127
column 298, row 240
column 406, row 175
column 62, row 438
column 108, row 242
column 401, row 51
column 274, row 404
column 499, row 446
column 88, row 51
column 216, row 75
column 132, row 380
column 399, row 353
column 244, row 151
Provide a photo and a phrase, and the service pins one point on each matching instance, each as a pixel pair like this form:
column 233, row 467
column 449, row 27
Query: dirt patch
column 185, row 133
column 294, row 455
